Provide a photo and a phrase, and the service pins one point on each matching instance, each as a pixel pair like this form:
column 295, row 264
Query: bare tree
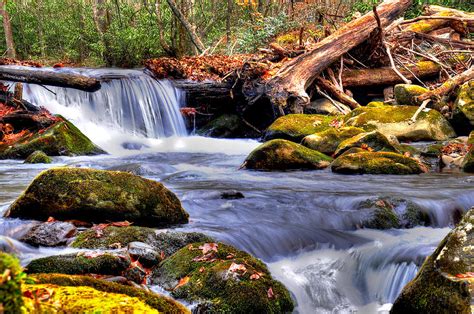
column 7, row 27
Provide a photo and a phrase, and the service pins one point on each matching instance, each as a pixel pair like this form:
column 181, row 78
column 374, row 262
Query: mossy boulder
column 405, row 94
column 227, row 126
column 161, row 303
column 376, row 163
column 328, row 140
column 38, row 157
column 285, row 155
column 468, row 163
column 60, row 139
column 374, row 141
column 444, row 282
column 295, row 127
column 225, row 279
column 98, row 196
column 10, row 284
column 463, row 114
column 395, row 120
column 81, row 263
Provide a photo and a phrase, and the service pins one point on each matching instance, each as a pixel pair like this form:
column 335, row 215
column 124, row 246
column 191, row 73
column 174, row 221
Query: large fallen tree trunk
column 34, row 76
column 200, row 93
column 287, row 89
column 386, row 76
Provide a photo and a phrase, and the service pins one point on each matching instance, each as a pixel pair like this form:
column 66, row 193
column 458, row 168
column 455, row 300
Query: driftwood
column 287, row 89
column 52, row 78
column 336, row 92
column 386, row 76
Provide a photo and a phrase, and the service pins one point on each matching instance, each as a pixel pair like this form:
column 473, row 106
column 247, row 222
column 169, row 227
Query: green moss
column 375, row 141
column 38, row 157
column 327, row 141
column 405, row 148
column 433, row 150
column 79, row 264
column 227, row 126
column 295, row 127
column 463, row 113
column 405, row 94
column 159, row 302
column 61, row 139
column 285, row 155
column 394, row 120
column 226, row 291
column 376, row 104
column 113, row 235
column 98, row 196
column 375, row 163
column 468, row 163
column 10, row 284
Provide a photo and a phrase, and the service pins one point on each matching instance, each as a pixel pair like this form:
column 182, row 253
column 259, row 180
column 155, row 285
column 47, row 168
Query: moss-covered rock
column 395, row 120
column 98, row 196
column 444, row 282
column 328, row 140
column 326, row 107
column 10, row 284
column 295, row 127
column 405, row 94
column 376, row 163
column 285, row 155
column 463, row 114
column 113, row 237
column 468, row 163
column 60, row 139
column 81, row 263
column 228, row 280
column 374, row 141
column 161, row 303
column 227, row 126
column 38, row 157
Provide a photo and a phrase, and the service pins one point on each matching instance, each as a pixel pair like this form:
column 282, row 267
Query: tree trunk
column 386, row 76
column 7, row 26
column 189, row 28
column 287, row 89
column 70, row 80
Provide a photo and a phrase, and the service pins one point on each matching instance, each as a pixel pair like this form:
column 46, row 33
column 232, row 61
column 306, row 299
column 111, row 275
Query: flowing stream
column 304, row 225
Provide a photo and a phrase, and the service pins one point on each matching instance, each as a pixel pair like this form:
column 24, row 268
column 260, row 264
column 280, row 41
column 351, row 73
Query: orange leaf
column 237, row 267
column 182, row 282
column 207, row 247
column 270, row 293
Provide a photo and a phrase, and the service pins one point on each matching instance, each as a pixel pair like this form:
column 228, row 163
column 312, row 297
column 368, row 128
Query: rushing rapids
column 304, row 225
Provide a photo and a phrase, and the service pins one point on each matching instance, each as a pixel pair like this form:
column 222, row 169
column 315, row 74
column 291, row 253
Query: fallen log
column 52, row 78
column 207, row 92
column 386, row 76
column 336, row 92
column 287, row 89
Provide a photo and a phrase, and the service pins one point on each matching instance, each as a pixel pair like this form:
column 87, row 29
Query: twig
column 48, row 90
column 422, row 106
column 341, row 68
column 331, row 100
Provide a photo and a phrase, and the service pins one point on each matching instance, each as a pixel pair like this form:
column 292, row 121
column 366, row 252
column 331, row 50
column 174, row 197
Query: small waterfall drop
column 131, row 107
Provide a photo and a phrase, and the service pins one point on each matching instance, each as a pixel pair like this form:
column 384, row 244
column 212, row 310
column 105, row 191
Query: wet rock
column 161, row 303
column 326, row 107
column 227, row 126
column 98, row 196
column 285, row 155
column 50, row 234
column 328, row 140
column 295, row 127
column 468, row 162
column 395, row 120
column 61, row 139
column 10, row 288
column 144, row 253
column 135, row 274
column 405, row 94
column 81, row 263
column 463, row 114
column 374, row 141
column 223, row 278
column 134, row 168
column 444, row 282
column 134, row 146
column 170, row 242
column 38, row 157
column 232, row 195
column 376, row 163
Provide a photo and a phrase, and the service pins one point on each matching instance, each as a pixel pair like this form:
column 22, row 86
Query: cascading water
column 130, row 107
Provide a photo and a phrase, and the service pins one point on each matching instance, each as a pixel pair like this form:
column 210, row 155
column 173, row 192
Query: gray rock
column 144, row 253
column 50, row 234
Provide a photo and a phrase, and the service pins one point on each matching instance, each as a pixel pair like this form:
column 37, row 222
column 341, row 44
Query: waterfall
column 130, row 105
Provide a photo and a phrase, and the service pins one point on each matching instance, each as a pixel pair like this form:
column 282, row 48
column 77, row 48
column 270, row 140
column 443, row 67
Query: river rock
column 98, row 196
column 405, row 94
column 225, row 279
column 394, row 120
column 144, row 253
column 328, row 140
column 463, row 114
column 468, row 163
column 61, row 139
column 295, row 127
column 132, row 298
column 374, row 141
column 50, row 234
column 285, row 155
column 227, row 126
column 376, row 163
column 38, row 157
column 326, row 107
column 10, row 288
column 444, row 282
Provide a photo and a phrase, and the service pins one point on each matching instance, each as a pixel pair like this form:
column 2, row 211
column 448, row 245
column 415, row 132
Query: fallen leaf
column 256, row 276
column 51, row 219
column 207, row 247
column 270, row 293
column 162, row 255
column 202, row 269
column 237, row 267
column 182, row 282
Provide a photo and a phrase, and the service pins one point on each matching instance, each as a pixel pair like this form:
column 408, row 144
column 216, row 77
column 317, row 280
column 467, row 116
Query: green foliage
column 11, row 276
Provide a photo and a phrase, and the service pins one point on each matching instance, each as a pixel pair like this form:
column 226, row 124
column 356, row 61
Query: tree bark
column 51, row 78
column 189, row 28
column 11, row 53
column 287, row 89
column 386, row 76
